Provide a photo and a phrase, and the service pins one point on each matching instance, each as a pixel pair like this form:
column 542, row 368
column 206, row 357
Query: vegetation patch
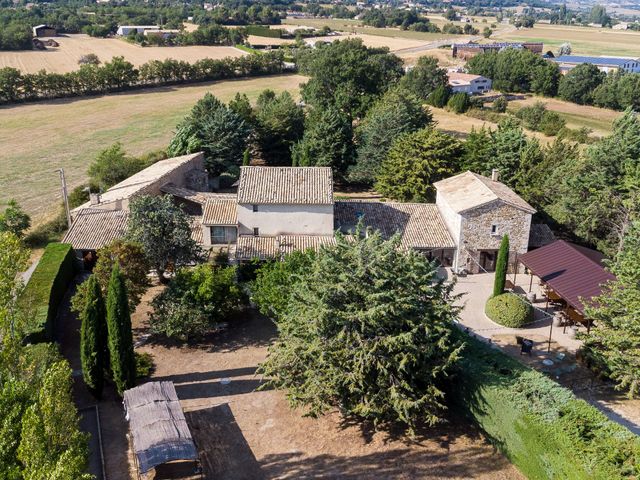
column 509, row 310
column 48, row 284
column 540, row 426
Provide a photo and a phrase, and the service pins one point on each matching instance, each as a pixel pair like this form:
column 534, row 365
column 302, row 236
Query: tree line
column 119, row 75
column 521, row 71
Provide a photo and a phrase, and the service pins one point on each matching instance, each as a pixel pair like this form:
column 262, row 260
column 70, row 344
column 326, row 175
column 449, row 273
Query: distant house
column 468, row 83
column 466, row 51
column 604, row 64
column 161, row 33
column 44, row 31
column 125, row 30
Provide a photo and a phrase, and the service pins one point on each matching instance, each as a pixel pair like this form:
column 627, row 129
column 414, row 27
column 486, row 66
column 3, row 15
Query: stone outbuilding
column 478, row 211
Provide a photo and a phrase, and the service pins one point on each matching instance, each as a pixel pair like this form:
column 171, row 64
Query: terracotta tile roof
column 419, row 224
column 192, row 195
column 250, row 247
column 469, row 190
column 196, row 229
column 572, row 271
column 94, row 228
column 286, row 185
column 220, row 211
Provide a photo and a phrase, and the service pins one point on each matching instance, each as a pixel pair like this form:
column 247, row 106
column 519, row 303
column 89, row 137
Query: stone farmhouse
column 277, row 210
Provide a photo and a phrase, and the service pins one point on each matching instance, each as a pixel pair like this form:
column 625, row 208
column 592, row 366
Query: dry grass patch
column 40, row 137
column 65, row 57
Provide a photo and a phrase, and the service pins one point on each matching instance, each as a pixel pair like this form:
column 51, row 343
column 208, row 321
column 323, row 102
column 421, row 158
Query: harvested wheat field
column 65, row 58
column 584, row 40
column 40, row 137
column 242, row 433
column 376, row 41
column 599, row 120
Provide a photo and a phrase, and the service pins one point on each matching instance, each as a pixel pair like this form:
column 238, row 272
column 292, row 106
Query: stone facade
column 482, row 229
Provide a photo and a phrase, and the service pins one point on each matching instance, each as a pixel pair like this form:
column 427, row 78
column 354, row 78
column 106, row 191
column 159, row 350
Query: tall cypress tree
column 92, row 338
column 501, row 266
column 123, row 364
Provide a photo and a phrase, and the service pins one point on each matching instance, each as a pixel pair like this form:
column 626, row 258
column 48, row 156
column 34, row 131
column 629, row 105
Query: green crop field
column 37, row 138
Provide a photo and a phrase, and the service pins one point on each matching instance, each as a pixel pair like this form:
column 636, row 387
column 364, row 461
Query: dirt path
column 247, row 434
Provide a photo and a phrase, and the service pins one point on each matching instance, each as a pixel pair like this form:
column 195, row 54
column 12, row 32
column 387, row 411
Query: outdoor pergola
column 159, row 430
column 569, row 275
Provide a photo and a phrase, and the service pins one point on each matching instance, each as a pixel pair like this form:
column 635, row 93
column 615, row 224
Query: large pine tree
column 123, row 363
column 92, row 340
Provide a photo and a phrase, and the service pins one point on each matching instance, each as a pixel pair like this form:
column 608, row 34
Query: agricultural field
column 37, row 138
column 65, row 58
column 599, row 120
column 584, row 40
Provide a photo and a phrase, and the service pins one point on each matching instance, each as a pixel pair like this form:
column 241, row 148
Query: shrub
column 144, row 364
column 196, row 301
column 45, row 289
column 552, row 124
column 438, row 98
column 509, row 310
column 459, row 102
column 500, row 105
column 540, row 426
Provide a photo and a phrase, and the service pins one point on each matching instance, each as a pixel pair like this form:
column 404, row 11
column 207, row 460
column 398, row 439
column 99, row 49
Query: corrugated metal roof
column 604, row 61
column 286, row 185
column 158, row 426
column 469, row 190
column 419, row 224
column 220, row 211
column 572, row 271
column 94, row 228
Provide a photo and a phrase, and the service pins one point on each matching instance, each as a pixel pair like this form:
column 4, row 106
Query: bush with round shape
column 509, row 310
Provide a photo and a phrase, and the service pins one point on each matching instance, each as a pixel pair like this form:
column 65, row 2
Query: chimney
column 94, row 198
column 495, row 175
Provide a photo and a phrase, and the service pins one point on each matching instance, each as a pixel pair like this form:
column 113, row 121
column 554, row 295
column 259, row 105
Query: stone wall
column 476, row 232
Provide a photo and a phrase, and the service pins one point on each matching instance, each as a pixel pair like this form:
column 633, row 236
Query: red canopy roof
column 572, row 271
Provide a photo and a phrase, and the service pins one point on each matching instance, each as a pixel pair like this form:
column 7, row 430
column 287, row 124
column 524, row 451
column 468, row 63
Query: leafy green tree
column 367, row 308
column 327, row 141
column 195, row 302
column 397, row 112
column 112, row 166
column 478, row 150
column 502, row 263
column 580, row 83
column 242, row 106
column 500, row 104
column 13, row 260
column 616, row 339
column 598, row 15
column 163, row 230
column 347, row 75
column 279, row 124
column 597, row 194
column 618, row 91
column 424, row 78
column 14, row 219
column 92, row 329
column 415, row 161
column 122, row 359
column 215, row 129
column 450, row 14
column 439, row 97
column 459, row 102
column 51, row 444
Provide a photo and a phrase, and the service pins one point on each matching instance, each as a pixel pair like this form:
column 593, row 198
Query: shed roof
column 572, row 271
column 470, row 190
column 158, row 426
column 286, row 185
column 94, row 228
column 220, row 211
column 419, row 224
column 137, row 183
column 263, row 248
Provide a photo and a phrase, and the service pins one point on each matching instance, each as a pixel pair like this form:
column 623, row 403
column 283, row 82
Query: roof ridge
column 578, row 249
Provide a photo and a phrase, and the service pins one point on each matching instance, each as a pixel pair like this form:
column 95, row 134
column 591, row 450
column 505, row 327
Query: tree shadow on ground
column 246, row 328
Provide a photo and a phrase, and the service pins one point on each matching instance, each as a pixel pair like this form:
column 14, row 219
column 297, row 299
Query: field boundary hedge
column 263, row 31
column 540, row 426
column 43, row 293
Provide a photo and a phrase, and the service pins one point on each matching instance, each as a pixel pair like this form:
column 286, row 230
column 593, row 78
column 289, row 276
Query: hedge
column 509, row 310
column 541, row 427
column 46, row 288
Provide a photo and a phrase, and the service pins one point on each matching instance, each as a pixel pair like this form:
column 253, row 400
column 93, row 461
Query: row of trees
column 514, row 70
column 119, row 74
column 39, row 432
column 213, row 34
